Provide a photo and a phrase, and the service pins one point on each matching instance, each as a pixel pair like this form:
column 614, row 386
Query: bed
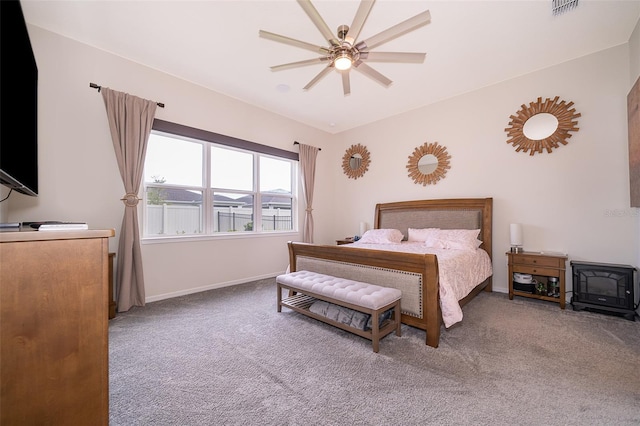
column 417, row 275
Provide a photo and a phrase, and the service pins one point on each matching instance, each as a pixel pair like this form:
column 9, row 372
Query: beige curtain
column 130, row 122
column 308, row 156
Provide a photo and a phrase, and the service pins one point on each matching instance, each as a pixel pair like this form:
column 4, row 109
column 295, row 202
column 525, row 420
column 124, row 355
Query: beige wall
column 79, row 177
column 574, row 200
column 562, row 202
column 634, row 53
column 634, row 71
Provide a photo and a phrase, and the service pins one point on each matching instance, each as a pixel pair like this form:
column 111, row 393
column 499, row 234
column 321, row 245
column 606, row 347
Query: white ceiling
column 215, row 44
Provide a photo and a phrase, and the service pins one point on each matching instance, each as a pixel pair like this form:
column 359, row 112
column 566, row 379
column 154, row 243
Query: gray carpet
column 226, row 357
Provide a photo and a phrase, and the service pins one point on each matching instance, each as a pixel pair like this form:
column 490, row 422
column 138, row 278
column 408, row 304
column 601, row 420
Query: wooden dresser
column 54, row 327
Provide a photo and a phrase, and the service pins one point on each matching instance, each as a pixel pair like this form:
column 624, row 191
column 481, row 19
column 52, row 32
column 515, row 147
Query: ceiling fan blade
column 318, row 77
column 395, row 31
column 393, row 57
column 318, row 21
column 293, row 42
column 370, row 72
column 358, row 21
column 299, row 64
column 346, row 83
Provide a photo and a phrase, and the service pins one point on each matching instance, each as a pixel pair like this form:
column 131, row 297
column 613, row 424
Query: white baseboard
column 208, row 287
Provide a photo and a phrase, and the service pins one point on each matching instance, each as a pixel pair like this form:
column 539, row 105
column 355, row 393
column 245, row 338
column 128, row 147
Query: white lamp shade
column 363, row 228
column 516, row 234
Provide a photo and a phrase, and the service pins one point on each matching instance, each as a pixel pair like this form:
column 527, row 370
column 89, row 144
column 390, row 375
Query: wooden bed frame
column 420, row 300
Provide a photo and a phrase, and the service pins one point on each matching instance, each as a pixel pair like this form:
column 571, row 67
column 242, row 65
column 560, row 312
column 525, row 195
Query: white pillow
column 469, row 235
column 381, row 236
column 463, row 245
column 455, row 239
column 421, row 234
column 435, row 242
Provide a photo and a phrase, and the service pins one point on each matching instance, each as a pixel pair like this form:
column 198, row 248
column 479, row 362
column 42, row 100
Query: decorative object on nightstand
column 553, row 287
column 515, row 235
column 537, row 276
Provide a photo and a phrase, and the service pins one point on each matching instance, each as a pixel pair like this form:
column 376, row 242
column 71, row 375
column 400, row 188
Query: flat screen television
column 18, row 102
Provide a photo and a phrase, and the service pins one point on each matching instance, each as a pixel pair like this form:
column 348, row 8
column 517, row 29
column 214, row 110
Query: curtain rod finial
column 298, row 143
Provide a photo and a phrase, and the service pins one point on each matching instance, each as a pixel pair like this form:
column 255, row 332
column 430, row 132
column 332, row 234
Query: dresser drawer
column 535, row 270
column 533, row 260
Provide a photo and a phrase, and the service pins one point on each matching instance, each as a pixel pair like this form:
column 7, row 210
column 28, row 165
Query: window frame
column 209, row 139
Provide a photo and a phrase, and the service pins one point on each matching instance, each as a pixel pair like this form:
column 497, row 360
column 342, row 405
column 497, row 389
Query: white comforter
column 459, row 272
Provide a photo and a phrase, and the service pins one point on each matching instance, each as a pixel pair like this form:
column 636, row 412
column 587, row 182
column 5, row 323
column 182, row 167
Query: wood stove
column 604, row 287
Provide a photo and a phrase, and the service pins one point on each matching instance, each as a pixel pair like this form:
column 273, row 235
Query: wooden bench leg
column 279, row 297
column 397, row 317
column 375, row 330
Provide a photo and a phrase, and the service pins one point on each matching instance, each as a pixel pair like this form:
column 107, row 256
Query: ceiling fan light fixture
column 345, row 51
column 343, row 61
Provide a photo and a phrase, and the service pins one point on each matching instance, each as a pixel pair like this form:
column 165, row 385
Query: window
column 202, row 183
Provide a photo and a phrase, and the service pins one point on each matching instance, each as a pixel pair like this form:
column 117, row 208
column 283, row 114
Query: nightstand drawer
column 532, row 260
column 534, row 270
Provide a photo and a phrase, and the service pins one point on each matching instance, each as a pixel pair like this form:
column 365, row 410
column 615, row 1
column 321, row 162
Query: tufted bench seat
column 306, row 287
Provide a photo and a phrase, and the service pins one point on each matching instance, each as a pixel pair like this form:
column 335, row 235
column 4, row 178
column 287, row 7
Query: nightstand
column 544, row 269
column 344, row 241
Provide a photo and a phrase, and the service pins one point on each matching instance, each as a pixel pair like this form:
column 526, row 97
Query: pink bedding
column 459, row 272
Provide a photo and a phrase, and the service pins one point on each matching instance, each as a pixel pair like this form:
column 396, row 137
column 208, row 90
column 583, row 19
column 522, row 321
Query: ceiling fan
column 345, row 51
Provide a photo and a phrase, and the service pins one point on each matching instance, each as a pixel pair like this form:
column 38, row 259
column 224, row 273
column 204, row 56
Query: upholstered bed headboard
column 463, row 213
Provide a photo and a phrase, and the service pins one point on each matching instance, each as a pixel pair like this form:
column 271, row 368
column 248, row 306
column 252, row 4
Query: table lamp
column 516, row 237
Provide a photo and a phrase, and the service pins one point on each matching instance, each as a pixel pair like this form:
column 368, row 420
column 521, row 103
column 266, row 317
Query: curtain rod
column 96, row 86
column 298, row 143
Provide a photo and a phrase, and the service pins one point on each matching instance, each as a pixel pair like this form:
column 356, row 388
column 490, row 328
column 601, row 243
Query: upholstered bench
column 306, row 288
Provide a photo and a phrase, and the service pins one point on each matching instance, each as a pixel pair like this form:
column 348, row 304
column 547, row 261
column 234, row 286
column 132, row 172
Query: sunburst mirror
column 355, row 161
column 428, row 163
column 542, row 125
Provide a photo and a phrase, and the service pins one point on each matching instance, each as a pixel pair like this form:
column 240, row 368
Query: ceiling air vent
column 561, row 6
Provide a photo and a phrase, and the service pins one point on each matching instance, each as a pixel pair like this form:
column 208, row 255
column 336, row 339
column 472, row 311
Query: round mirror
column 428, row 163
column 542, row 125
column 355, row 161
